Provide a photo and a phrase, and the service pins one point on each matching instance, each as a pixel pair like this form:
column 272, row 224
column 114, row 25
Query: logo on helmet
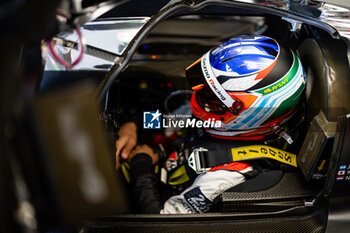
column 211, row 81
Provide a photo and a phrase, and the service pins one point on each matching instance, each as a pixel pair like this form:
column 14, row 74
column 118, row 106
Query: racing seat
column 271, row 190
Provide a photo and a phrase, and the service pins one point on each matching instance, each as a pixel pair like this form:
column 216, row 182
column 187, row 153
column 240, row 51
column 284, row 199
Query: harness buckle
column 194, row 161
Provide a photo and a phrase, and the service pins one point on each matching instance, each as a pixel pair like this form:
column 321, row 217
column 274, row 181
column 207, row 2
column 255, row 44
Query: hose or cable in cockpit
column 175, row 93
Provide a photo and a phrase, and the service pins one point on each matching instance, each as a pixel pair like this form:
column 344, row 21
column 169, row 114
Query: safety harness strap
column 202, row 160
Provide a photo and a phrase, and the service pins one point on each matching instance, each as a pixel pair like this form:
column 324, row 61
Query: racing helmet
column 252, row 84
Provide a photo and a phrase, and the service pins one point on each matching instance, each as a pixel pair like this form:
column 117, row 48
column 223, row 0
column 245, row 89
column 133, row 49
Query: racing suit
column 200, row 197
column 202, row 193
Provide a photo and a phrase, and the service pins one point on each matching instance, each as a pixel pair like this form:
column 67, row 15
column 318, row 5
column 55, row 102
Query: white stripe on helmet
column 213, row 83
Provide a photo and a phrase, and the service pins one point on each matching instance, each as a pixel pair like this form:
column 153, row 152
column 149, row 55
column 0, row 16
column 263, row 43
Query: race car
column 105, row 72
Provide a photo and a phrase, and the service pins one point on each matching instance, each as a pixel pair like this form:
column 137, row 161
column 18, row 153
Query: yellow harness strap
column 263, row 152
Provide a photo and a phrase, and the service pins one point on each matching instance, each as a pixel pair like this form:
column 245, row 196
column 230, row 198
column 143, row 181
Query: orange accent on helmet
column 246, row 99
column 198, row 87
column 262, row 74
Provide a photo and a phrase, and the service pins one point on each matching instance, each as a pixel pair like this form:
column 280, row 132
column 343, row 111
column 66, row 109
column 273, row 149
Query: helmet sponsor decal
column 283, row 81
column 214, row 84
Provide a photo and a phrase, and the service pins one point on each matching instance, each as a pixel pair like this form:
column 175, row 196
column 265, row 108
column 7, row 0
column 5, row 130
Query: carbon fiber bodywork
column 291, row 191
column 312, row 222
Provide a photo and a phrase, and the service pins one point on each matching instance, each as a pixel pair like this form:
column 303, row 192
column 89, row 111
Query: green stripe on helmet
column 287, row 104
column 284, row 80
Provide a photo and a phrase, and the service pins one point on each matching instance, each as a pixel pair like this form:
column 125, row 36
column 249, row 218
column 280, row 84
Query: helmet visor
column 208, row 100
column 205, row 97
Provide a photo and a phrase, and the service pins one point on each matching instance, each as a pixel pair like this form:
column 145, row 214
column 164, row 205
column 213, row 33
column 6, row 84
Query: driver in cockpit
column 253, row 85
